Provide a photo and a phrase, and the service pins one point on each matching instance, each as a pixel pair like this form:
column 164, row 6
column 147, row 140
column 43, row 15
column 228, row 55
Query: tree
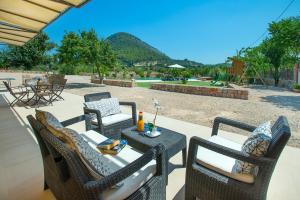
column 280, row 50
column 255, row 61
column 71, row 50
column 3, row 58
column 85, row 48
column 274, row 52
column 287, row 33
column 33, row 53
column 185, row 75
column 105, row 58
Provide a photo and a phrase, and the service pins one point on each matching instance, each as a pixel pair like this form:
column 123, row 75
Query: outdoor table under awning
column 21, row 20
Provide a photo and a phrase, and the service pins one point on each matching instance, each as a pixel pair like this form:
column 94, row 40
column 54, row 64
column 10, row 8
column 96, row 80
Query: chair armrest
column 88, row 111
column 133, row 109
column 196, row 141
column 74, row 120
column 93, row 111
column 157, row 152
column 236, row 124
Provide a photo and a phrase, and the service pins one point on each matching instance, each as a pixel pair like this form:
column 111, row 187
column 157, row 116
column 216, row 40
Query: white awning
column 176, row 66
column 21, row 20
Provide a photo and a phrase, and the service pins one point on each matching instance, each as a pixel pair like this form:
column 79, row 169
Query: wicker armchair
column 68, row 178
column 112, row 130
column 205, row 183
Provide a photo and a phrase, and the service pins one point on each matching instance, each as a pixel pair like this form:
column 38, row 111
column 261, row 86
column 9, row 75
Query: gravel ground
column 265, row 103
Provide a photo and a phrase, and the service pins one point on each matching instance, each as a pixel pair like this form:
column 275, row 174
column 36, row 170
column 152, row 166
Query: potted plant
column 296, row 88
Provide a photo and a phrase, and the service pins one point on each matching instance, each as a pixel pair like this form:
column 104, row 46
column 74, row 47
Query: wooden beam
column 26, row 17
column 5, row 38
column 70, row 4
column 63, row 2
column 15, row 34
column 43, row 6
column 18, row 30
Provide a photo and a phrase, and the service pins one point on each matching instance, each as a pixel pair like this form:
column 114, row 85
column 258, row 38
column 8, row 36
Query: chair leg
column 45, row 185
column 184, row 157
column 17, row 99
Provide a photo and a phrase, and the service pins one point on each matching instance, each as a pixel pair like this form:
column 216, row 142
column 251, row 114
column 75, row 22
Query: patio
column 21, row 160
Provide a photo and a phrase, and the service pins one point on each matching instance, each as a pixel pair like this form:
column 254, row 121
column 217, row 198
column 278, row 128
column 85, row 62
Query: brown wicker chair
column 111, row 130
column 204, row 183
column 68, row 178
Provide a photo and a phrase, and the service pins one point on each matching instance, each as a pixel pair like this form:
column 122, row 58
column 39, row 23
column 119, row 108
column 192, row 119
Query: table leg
column 184, row 157
column 167, row 169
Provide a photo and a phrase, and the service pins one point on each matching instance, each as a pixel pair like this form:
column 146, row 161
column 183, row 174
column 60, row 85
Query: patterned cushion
column 53, row 125
column 256, row 145
column 95, row 162
column 106, row 107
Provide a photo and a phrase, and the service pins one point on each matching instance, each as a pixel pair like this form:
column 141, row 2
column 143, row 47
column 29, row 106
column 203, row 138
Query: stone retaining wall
column 206, row 91
column 120, row 83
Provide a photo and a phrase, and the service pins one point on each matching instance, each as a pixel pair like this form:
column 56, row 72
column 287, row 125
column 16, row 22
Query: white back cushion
column 109, row 106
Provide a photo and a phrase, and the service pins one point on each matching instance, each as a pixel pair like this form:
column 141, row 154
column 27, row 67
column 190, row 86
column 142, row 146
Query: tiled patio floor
column 21, row 165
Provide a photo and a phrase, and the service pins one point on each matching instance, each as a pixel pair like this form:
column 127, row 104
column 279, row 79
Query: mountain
column 132, row 51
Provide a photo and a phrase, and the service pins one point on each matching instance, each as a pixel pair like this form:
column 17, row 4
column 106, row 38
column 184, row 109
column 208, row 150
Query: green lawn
column 193, row 83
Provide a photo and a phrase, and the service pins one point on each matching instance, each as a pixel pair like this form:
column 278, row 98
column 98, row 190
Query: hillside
column 132, row 51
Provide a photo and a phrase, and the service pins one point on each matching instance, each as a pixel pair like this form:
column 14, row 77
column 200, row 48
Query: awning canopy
column 176, row 66
column 21, row 20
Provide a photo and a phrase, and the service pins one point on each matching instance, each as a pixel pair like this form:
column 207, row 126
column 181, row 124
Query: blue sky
column 206, row 31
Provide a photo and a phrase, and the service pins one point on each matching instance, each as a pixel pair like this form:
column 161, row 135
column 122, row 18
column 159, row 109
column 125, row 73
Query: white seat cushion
column 126, row 156
column 112, row 119
column 221, row 163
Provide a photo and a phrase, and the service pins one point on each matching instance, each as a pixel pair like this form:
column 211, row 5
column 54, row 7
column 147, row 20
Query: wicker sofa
column 110, row 126
column 208, row 181
column 68, row 178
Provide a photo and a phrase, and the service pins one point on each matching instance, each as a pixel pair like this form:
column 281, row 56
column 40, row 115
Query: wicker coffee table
column 173, row 142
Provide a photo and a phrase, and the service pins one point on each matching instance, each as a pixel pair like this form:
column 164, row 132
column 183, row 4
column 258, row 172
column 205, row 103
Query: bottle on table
column 140, row 123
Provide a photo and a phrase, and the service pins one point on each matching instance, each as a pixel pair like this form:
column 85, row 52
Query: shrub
column 66, row 69
column 185, row 75
column 83, row 69
column 296, row 86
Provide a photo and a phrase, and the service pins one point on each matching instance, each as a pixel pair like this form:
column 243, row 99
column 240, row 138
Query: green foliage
column 274, row 52
column 296, row 86
column 287, row 33
column 280, row 50
column 33, row 53
column 130, row 49
column 185, row 75
column 83, row 52
column 255, row 60
column 66, row 69
column 71, row 49
column 82, row 69
column 3, row 58
column 175, row 72
column 124, row 73
column 140, row 73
